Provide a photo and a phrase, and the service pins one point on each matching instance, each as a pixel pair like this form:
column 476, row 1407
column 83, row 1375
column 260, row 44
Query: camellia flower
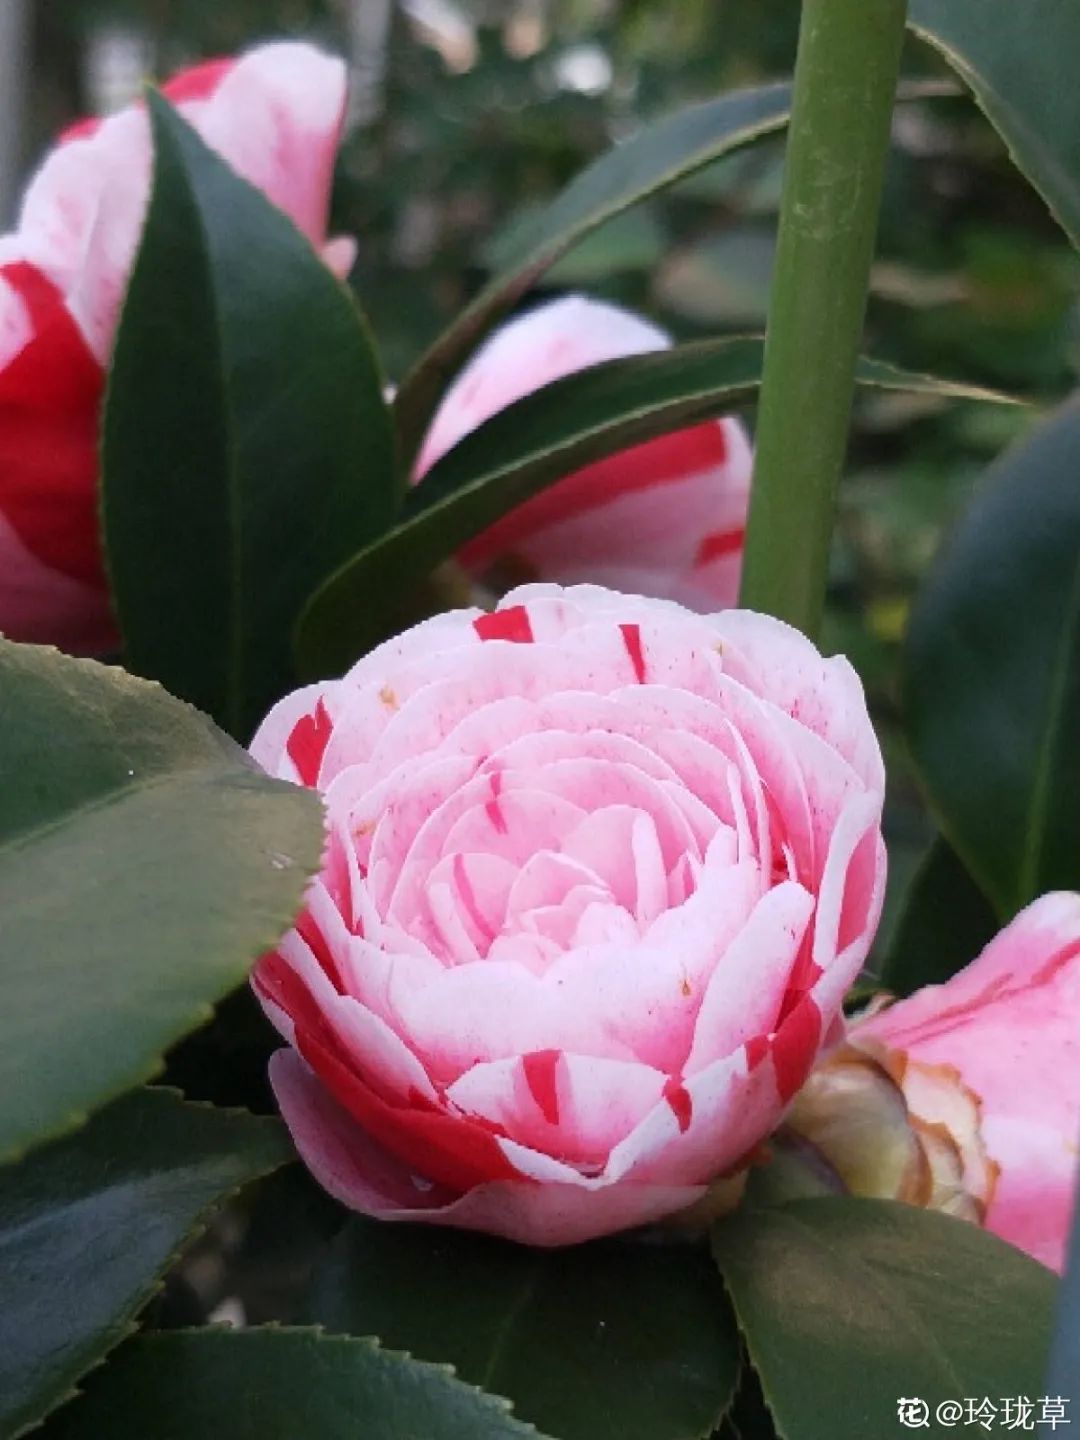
column 275, row 114
column 966, row 1096
column 598, row 874
column 665, row 518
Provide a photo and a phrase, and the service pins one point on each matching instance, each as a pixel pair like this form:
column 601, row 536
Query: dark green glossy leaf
column 1020, row 61
column 145, row 863
column 993, row 673
column 88, row 1224
column 530, row 445
column 597, row 1342
column 271, row 1384
column 580, row 417
column 248, row 450
column 847, row 1305
column 556, row 429
column 1064, row 1377
column 945, row 922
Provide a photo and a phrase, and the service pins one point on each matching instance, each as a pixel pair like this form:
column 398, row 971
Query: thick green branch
column 845, row 82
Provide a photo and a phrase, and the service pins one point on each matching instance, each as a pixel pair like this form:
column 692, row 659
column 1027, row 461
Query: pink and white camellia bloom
column 965, row 1097
column 275, row 114
column 598, row 874
column 990, row 1063
column 665, row 518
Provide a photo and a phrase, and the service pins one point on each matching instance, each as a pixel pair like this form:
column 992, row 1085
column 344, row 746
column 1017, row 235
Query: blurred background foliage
column 469, row 112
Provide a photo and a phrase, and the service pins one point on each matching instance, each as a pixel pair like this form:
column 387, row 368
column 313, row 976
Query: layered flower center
column 556, row 841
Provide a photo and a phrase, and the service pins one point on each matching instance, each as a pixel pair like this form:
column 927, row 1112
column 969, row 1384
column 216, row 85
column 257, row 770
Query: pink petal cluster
column 665, row 518
column 276, row 115
column 1007, row 1029
column 598, row 874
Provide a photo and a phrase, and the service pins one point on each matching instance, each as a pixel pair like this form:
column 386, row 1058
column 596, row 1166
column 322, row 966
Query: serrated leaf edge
column 116, row 1334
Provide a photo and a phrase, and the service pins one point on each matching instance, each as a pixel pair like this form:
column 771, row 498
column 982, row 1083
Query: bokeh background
column 466, row 113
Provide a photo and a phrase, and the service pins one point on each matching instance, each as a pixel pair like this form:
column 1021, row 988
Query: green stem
column 845, row 84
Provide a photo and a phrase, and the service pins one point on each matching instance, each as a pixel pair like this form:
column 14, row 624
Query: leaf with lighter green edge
column 1019, row 59
column 248, row 449
column 90, row 1223
column 607, row 1341
column 530, row 445
column 145, row 863
column 278, row 1384
column 658, row 155
column 992, row 692
column 748, row 1418
column 944, row 923
column 847, row 1305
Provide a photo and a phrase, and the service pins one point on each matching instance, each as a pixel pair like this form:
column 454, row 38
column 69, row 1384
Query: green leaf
column 271, row 1384
column 655, row 157
column 530, row 445
column 945, row 922
column 847, row 1305
column 599, row 1342
column 88, row 1225
column 554, row 430
column 145, row 863
column 749, row 1418
column 633, row 241
column 993, row 673
column 248, row 450
column 1019, row 60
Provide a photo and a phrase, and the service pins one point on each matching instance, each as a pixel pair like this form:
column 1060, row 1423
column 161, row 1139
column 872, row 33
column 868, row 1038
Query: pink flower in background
column 1005, row 1035
column 598, row 874
column 275, row 114
column 665, row 518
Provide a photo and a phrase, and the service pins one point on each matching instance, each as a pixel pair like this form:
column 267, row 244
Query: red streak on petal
column 467, row 895
column 307, row 744
column 682, row 1106
column 795, row 1047
column 1056, row 962
column 668, row 458
column 1002, row 987
column 80, row 130
column 317, row 943
column 631, row 635
column 199, row 82
column 50, row 399
column 275, row 979
column 337, row 879
column 805, row 974
column 493, row 808
column 719, row 544
column 757, row 1048
column 541, row 1069
column 36, row 291
column 450, row 1149
column 511, row 624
